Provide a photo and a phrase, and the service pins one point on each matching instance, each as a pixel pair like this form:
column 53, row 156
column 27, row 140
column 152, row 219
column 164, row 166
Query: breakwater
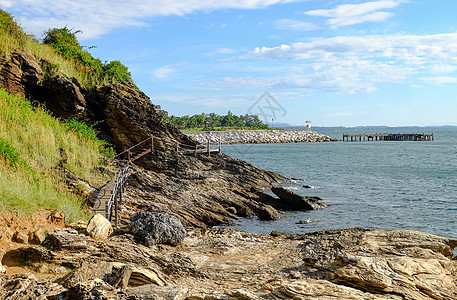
column 258, row 136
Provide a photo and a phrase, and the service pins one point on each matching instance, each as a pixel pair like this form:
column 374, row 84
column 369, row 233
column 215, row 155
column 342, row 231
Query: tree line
column 213, row 121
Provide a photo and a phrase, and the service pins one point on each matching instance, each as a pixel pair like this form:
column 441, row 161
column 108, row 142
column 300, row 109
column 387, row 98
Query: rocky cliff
column 197, row 189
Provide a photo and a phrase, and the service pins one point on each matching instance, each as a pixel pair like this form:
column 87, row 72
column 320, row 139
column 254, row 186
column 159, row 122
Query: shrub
column 8, row 152
column 65, row 42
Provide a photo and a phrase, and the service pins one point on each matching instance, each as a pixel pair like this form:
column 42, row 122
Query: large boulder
column 99, row 227
column 157, row 228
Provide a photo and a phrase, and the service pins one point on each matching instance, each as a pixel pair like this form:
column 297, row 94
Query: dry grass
column 39, row 139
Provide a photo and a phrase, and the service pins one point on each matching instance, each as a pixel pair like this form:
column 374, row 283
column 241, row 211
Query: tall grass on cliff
column 33, row 145
column 60, row 52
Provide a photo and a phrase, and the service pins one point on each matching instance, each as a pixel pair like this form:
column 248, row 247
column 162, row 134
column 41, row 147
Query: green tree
column 64, row 40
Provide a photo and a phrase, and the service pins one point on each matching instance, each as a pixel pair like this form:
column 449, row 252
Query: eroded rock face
column 233, row 264
column 157, row 228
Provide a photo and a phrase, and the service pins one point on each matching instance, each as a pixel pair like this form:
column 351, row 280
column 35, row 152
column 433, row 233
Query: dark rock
column 296, row 202
column 307, row 186
column 245, row 211
column 268, row 213
column 307, row 221
column 157, row 228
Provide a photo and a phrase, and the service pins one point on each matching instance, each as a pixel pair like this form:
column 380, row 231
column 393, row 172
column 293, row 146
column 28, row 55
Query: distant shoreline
column 258, row 136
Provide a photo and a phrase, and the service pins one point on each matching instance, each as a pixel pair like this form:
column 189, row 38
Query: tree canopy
column 65, row 42
column 214, row 121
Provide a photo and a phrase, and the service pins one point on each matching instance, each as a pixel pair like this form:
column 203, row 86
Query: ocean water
column 386, row 185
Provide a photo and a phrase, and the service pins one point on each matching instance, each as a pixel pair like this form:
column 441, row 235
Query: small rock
column 80, row 225
column 37, row 237
column 21, row 237
column 307, row 221
column 231, row 210
column 268, row 213
column 58, row 269
column 244, row 295
column 295, row 274
column 57, row 218
column 2, row 268
column 99, row 227
column 158, row 292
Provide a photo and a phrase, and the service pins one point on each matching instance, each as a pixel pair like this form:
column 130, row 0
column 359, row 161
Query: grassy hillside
column 36, row 148
column 32, row 145
column 61, row 49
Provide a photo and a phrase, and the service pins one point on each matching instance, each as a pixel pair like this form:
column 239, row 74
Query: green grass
column 31, row 147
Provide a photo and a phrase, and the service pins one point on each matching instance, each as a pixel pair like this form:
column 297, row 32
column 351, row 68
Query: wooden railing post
column 220, row 146
column 152, row 143
column 207, row 148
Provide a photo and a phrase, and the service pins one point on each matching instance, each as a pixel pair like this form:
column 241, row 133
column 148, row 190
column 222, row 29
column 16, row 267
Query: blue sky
column 336, row 62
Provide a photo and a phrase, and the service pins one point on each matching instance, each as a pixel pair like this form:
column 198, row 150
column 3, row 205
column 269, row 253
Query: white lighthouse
column 308, row 125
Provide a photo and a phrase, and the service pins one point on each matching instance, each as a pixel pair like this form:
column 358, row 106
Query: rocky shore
column 193, row 257
column 222, row 263
column 257, row 136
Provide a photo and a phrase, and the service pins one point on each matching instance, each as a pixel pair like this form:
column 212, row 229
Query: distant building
column 308, row 125
column 157, row 107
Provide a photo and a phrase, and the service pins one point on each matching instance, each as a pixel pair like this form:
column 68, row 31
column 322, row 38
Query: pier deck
column 388, row 137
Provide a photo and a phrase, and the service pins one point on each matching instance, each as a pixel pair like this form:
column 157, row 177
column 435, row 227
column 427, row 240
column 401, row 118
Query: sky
column 332, row 62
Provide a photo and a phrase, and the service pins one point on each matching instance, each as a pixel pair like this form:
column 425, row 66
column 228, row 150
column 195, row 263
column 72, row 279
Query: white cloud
column 412, row 48
column 163, row 71
column 295, row 25
column 352, row 64
column 225, row 51
column 5, row 4
column 349, row 76
column 440, row 80
column 350, row 14
column 95, row 18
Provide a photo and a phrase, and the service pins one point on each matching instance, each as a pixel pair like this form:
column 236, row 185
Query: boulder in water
column 293, row 201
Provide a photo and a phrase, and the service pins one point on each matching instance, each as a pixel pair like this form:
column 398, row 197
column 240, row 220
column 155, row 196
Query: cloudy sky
column 334, row 62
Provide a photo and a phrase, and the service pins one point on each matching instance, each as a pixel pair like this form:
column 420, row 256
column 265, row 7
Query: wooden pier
column 388, row 137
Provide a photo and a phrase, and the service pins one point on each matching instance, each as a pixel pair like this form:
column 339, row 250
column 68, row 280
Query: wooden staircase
column 110, row 195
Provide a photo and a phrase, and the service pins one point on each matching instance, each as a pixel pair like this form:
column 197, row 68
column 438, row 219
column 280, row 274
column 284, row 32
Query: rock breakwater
column 258, row 136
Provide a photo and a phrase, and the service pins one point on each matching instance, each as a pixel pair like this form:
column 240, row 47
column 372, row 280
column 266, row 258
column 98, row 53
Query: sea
column 408, row 185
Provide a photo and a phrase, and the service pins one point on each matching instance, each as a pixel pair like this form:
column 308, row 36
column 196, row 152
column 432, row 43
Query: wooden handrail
column 129, row 150
column 119, row 185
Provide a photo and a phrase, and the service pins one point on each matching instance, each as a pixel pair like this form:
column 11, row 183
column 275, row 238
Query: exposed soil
column 13, row 224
